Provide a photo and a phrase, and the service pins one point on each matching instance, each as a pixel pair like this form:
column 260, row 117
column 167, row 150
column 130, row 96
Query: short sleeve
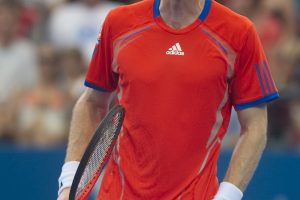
column 100, row 75
column 252, row 83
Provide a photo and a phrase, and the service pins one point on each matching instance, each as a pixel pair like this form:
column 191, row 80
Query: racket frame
column 89, row 151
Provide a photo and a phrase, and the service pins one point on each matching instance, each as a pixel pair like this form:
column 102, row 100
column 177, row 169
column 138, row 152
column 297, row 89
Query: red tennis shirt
column 177, row 88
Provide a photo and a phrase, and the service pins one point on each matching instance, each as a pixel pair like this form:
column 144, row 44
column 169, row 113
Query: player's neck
column 180, row 13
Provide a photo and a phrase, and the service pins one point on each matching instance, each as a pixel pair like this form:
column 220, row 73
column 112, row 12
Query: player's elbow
column 259, row 129
column 261, row 137
column 254, row 125
column 94, row 99
column 257, row 135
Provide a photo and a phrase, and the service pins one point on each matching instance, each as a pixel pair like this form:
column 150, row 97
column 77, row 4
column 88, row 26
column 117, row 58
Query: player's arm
column 92, row 106
column 88, row 112
column 247, row 153
column 251, row 88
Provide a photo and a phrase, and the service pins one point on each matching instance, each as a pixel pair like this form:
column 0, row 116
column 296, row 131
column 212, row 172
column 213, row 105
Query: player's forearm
column 246, row 155
column 86, row 115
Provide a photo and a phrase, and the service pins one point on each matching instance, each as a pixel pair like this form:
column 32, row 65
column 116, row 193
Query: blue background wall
column 32, row 174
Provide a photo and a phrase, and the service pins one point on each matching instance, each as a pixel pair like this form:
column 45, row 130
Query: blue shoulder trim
column 156, row 8
column 93, row 86
column 205, row 10
column 265, row 99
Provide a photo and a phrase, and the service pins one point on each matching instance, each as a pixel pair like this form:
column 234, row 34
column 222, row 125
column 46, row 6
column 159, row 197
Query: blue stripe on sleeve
column 266, row 80
column 93, row 86
column 270, row 77
column 260, row 79
column 257, row 102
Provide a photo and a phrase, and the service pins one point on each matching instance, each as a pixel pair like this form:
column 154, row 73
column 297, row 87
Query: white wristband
column 67, row 175
column 228, row 191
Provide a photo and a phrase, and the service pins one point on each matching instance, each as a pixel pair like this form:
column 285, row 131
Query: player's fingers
column 64, row 195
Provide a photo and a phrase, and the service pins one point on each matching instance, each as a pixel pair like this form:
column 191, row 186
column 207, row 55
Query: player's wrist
column 228, row 191
column 67, row 175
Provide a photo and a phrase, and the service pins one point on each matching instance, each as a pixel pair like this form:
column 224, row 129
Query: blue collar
column 202, row 16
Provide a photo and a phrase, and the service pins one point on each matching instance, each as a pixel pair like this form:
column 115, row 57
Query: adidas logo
column 175, row 50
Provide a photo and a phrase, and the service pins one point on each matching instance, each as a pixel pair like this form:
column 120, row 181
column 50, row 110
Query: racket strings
column 99, row 154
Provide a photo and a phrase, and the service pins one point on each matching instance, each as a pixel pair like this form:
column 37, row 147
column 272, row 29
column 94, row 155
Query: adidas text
column 175, row 50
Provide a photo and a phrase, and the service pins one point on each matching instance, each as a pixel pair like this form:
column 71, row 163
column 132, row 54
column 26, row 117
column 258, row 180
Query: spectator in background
column 17, row 55
column 51, row 4
column 34, row 16
column 17, row 63
column 244, row 7
column 77, row 24
column 277, row 28
column 293, row 131
column 133, row 1
column 73, row 65
column 42, row 111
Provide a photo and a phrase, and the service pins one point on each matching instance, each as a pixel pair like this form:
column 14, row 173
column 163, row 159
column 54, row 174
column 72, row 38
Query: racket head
column 97, row 154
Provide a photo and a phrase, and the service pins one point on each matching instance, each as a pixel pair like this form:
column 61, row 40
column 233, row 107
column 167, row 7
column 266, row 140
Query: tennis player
column 178, row 67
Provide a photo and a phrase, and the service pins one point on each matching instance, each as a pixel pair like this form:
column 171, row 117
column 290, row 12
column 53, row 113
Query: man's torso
column 174, row 87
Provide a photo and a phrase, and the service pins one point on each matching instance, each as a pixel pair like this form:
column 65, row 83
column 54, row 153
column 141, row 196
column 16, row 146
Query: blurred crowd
column 278, row 24
column 45, row 48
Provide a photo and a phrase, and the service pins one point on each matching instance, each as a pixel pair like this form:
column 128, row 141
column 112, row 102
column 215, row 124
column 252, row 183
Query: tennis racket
column 97, row 154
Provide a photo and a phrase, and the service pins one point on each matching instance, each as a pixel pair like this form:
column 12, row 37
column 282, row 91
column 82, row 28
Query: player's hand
column 64, row 195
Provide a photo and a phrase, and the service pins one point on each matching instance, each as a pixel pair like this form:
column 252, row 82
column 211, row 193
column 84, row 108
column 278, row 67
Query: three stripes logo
column 265, row 79
column 175, row 50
